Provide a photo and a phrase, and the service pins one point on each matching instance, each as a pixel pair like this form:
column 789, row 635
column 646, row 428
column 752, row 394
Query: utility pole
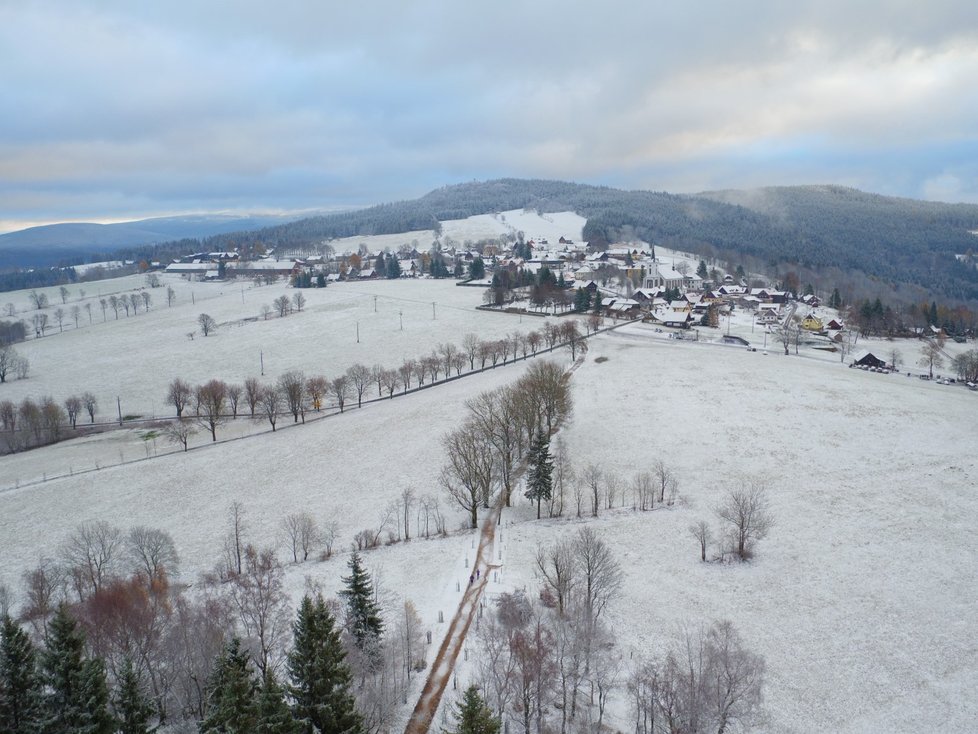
column 433, row 316
column 118, row 404
column 401, row 316
column 358, row 332
column 261, row 359
column 375, row 304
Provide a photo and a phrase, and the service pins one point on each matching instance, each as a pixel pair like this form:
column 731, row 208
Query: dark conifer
column 20, row 685
column 231, row 705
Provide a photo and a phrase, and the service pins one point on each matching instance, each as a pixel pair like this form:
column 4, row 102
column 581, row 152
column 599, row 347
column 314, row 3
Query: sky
column 116, row 110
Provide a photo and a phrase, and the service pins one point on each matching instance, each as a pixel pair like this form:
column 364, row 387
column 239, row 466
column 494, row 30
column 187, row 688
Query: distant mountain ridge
column 53, row 243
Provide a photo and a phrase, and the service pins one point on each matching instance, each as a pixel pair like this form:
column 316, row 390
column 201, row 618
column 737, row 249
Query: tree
column 701, row 269
column 146, row 298
column 556, row 566
column 179, row 432
column 211, row 398
column 259, row 601
column 73, row 407
column 270, row 401
column 932, row 353
column 231, row 690
column 747, row 512
column 316, row 388
column 599, row 573
column 473, row 715
column 701, row 531
column 132, row 710
column 477, row 269
column 207, row 324
column 20, row 685
column 298, row 300
column 76, row 314
column 252, row 392
column 234, row 396
column 274, row 714
column 360, row 376
column 8, row 362
column 92, row 553
column 319, row 674
column 153, row 553
column 301, row 534
column 282, row 305
column 539, row 481
column 339, row 388
column 363, row 620
column 76, row 697
column 292, row 385
column 470, row 475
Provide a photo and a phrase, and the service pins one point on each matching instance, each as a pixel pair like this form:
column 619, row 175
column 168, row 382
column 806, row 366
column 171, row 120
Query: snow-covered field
column 862, row 600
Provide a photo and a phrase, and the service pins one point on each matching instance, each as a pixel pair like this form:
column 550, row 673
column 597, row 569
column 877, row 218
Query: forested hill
column 869, row 244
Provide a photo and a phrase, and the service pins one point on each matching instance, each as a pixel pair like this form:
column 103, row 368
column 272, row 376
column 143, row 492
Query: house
column 677, row 319
column 870, row 360
column 768, row 313
column 835, row 325
column 811, row 323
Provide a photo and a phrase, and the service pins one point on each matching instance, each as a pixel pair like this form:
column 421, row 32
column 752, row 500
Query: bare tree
column 252, row 391
column 282, row 305
column 298, row 300
column 179, row 432
column 91, row 404
column 405, row 372
column 292, row 385
column 234, row 542
column 391, row 381
column 171, row 296
column 599, row 573
column 92, row 551
column 234, row 397
column 556, row 566
column 261, row 606
column 8, row 359
column 153, row 553
column 317, row 388
column 76, row 314
column 64, row 294
column 339, row 388
column 470, row 347
column 266, row 311
column 932, row 354
column 147, row 299
column 643, row 491
column 206, row 323
column 178, row 394
column 469, row 476
column 270, row 402
column 360, row 376
column 746, row 511
column 494, row 414
column 212, row 397
column 73, row 406
column 591, row 479
column 665, row 481
column 701, row 531
column 59, row 316
column 301, row 534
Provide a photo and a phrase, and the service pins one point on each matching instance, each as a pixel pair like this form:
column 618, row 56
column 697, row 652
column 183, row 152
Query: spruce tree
column 393, row 267
column 20, row 686
column 132, row 709
column 539, row 480
column 231, row 705
column 274, row 714
column 701, row 269
column 473, row 716
column 320, row 677
column 362, row 615
column 76, row 696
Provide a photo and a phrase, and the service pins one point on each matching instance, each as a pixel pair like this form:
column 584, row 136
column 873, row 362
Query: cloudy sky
column 114, row 109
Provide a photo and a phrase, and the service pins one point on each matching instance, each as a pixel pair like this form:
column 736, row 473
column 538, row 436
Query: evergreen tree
column 458, row 271
column 76, row 696
column 362, row 615
column 473, row 716
column 381, row 266
column 274, row 714
column 320, row 280
column 477, row 269
column 701, row 269
column 582, row 300
column 20, row 686
column 320, row 677
column 231, row 705
column 539, row 480
column 393, row 267
column 131, row 708
column 835, row 300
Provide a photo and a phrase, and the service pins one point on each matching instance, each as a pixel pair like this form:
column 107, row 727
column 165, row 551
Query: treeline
column 106, row 642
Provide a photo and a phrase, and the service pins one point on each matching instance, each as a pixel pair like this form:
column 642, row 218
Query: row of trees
column 13, row 364
column 31, row 423
column 484, row 454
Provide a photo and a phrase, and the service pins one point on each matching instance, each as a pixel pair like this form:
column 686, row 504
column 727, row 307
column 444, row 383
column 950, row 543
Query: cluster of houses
column 670, row 293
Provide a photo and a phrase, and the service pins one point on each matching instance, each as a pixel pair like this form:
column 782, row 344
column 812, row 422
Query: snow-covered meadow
column 862, row 599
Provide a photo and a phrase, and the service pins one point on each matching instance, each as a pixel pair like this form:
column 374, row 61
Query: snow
column 862, row 600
